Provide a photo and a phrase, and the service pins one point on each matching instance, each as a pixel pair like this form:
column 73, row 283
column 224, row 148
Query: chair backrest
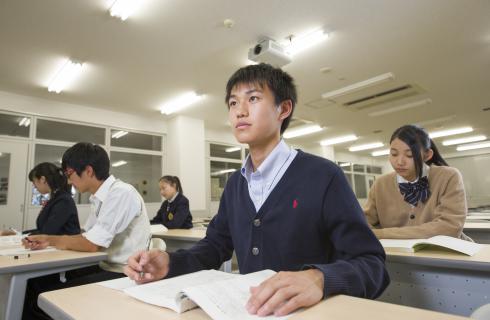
column 157, row 243
column 482, row 313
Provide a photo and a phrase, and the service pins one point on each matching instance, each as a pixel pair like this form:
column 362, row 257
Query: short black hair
column 54, row 176
column 84, row 154
column 418, row 139
column 279, row 82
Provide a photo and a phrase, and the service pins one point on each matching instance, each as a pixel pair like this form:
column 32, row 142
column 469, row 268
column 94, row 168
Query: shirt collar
column 173, row 198
column 425, row 173
column 278, row 155
column 103, row 190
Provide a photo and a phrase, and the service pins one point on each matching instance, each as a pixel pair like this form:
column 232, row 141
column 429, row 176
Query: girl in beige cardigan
column 423, row 197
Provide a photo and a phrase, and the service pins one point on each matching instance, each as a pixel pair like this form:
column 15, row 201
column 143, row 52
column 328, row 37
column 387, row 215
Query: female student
column 174, row 212
column 424, row 197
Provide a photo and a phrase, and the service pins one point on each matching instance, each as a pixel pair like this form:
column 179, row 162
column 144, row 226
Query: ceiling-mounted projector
column 269, row 51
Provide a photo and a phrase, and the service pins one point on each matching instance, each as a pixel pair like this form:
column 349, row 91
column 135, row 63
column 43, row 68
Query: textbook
column 221, row 295
column 413, row 245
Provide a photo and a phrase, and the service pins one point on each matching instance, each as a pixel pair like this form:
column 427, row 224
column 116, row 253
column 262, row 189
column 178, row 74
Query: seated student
column 59, row 214
column 423, row 197
column 174, row 212
column 117, row 224
column 285, row 210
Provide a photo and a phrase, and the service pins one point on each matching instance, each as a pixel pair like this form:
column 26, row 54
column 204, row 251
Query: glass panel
column 140, row 170
column 53, row 154
column 127, row 139
column 373, row 169
column 360, row 183
column 17, row 126
column 220, row 151
column 53, row 130
column 346, row 166
column 220, row 172
column 359, row 167
column 4, row 177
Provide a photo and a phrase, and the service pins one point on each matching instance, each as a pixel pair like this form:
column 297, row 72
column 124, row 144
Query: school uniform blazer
column 59, row 216
column 311, row 219
column 176, row 215
column 444, row 213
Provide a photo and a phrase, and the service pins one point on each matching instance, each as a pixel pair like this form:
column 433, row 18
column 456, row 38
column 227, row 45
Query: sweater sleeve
column 157, row 219
column 449, row 215
column 180, row 213
column 357, row 265
column 370, row 210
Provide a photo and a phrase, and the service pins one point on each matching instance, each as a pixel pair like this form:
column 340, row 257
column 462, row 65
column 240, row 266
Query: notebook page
column 118, row 284
column 466, row 247
column 10, row 240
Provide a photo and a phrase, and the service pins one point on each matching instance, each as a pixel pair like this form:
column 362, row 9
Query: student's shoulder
column 443, row 172
column 310, row 162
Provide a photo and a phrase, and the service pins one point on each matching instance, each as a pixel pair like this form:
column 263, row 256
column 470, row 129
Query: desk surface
column 94, row 301
column 194, row 234
column 50, row 259
column 474, row 224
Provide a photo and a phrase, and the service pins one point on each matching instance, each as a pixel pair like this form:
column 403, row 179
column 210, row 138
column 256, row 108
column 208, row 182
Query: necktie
column 415, row 192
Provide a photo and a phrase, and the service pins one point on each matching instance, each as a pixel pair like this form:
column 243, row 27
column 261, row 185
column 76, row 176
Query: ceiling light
column 463, row 140
column 119, row 163
column 122, row 9
column 64, row 76
column 401, row 107
column 24, row 122
column 301, row 131
column 232, row 149
column 305, row 41
column 366, row 146
column 217, row 173
column 378, row 153
column 180, row 102
column 338, row 140
column 473, row 146
column 359, row 85
column 344, row 164
column 450, row 132
column 119, row 134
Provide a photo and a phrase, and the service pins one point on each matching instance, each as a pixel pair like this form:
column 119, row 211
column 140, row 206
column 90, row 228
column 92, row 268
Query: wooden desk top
column 95, row 301
column 478, row 225
column 48, row 259
column 194, row 234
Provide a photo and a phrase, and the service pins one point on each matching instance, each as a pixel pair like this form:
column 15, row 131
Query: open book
column 412, row 245
column 221, row 295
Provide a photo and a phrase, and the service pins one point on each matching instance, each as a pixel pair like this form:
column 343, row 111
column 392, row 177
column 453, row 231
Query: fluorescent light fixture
column 24, row 122
column 359, row 85
column 401, row 107
column 122, row 9
column 449, row 132
column 345, row 164
column 378, row 153
column 119, row 163
column 305, row 41
column 217, row 173
column 338, row 140
column 464, row 140
column 366, row 146
column 302, row 131
column 232, row 149
column 65, row 75
column 473, row 146
column 119, row 134
column 180, row 102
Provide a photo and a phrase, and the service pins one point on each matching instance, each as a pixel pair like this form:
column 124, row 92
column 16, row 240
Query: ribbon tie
column 415, row 192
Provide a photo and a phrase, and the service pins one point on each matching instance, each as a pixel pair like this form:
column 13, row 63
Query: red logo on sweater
column 295, row 203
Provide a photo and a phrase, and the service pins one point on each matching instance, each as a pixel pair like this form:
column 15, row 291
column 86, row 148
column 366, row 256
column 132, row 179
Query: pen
column 142, row 273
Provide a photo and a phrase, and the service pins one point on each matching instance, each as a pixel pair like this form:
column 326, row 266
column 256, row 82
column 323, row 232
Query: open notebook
column 221, row 295
column 412, row 245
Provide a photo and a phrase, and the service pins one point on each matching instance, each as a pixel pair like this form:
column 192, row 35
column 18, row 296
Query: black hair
column 173, row 180
column 418, row 139
column 84, row 154
column 279, row 82
column 54, row 176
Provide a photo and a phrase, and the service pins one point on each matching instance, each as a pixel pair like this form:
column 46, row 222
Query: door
column 13, row 175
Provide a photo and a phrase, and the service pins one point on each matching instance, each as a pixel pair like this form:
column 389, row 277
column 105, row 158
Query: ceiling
column 171, row 46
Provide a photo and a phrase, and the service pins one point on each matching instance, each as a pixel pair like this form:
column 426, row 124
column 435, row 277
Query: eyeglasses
column 69, row 172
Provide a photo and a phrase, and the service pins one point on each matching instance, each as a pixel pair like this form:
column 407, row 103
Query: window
column 222, row 151
column 224, row 161
column 125, row 139
column 4, row 177
column 360, row 177
column 63, row 131
column 15, row 125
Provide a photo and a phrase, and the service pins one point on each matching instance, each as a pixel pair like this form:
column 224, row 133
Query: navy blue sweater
column 310, row 219
column 178, row 210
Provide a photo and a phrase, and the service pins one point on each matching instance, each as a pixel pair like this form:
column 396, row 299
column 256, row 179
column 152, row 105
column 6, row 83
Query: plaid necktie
column 415, row 192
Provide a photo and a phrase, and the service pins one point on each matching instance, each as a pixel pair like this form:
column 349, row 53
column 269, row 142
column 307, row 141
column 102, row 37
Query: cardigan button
column 412, row 216
column 257, row 222
column 255, row 251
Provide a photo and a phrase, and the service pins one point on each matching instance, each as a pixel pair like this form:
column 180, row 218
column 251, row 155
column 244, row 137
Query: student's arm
column 449, row 215
column 370, row 210
column 60, row 213
column 76, row 243
column 157, row 219
column 180, row 215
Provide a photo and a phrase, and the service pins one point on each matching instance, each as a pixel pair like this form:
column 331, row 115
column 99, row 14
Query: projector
column 269, row 51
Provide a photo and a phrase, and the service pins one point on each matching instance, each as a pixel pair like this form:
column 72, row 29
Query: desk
column 96, row 302
column 439, row 280
column 478, row 230
column 15, row 273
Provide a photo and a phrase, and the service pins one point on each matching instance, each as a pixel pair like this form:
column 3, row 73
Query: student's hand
column 146, row 266
column 36, row 242
column 7, row 233
column 285, row 292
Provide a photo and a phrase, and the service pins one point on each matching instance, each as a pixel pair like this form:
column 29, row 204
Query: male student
column 284, row 210
column 117, row 224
